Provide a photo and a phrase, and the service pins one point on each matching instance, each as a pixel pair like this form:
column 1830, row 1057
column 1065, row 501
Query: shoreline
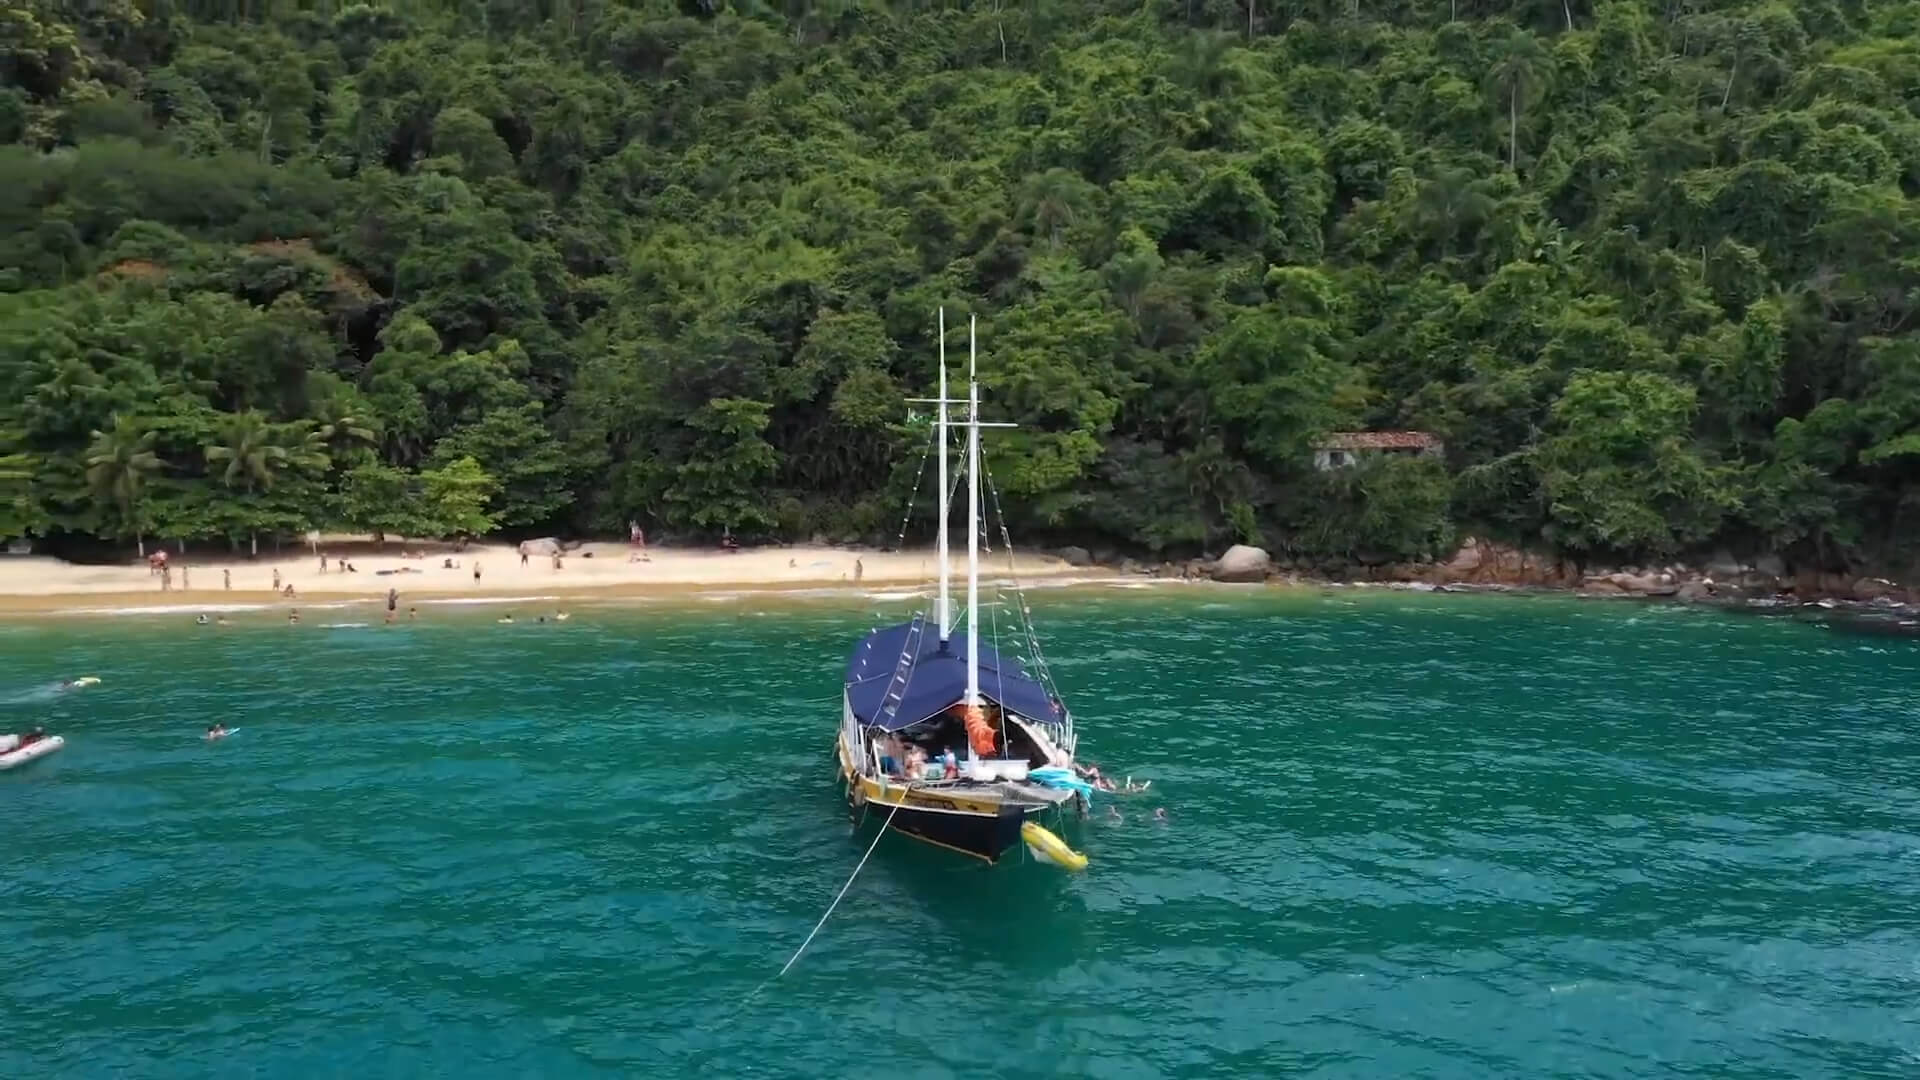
column 593, row 574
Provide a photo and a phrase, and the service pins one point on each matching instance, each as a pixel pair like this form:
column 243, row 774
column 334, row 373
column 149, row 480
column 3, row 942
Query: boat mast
column 973, row 517
column 944, row 611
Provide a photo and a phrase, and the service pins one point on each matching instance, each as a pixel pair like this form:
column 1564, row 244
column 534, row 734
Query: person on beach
column 393, row 600
column 288, row 591
column 323, row 562
column 859, row 571
column 166, row 579
column 523, row 553
column 476, row 571
column 276, row 579
column 556, row 560
column 183, row 580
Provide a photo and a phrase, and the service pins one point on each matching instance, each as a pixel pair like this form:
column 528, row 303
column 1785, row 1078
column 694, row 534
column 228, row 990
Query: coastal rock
column 1693, row 592
column 1770, row 565
column 545, row 545
column 1076, row 556
column 1873, row 588
column 1467, row 559
column 1723, row 565
column 1242, row 563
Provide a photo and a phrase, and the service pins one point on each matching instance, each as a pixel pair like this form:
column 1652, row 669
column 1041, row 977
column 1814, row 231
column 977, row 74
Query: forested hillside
column 1649, row 267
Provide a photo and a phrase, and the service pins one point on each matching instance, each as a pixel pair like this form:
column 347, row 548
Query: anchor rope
column 791, row 960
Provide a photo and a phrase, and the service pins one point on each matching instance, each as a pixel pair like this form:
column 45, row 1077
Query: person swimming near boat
column 1159, row 813
column 201, row 619
column 1113, row 814
column 216, row 731
column 1091, row 773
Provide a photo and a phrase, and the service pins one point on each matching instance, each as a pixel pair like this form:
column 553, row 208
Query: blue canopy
column 938, row 680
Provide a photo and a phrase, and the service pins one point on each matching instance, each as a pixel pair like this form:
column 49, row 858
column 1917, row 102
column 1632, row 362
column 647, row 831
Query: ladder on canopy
column 902, row 671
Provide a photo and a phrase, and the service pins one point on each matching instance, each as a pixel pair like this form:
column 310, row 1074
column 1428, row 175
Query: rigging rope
column 1026, row 613
column 907, row 517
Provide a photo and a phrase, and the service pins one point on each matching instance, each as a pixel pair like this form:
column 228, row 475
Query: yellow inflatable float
column 1049, row 848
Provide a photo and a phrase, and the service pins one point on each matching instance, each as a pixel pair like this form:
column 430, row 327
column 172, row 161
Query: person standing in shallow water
column 859, row 571
column 226, row 580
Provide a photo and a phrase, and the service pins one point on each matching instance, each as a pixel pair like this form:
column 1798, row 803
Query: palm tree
column 1518, row 74
column 345, row 433
column 252, row 453
column 1053, row 200
column 118, row 463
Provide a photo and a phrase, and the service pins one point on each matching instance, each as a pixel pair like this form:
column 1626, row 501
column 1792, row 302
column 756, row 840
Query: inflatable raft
column 1048, row 848
column 12, row 754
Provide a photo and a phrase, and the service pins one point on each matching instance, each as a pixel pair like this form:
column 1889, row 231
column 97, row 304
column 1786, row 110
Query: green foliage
column 1646, row 268
column 456, row 497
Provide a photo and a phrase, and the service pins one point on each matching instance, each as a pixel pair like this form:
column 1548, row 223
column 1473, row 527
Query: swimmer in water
column 1159, row 813
column 504, row 619
column 220, row 620
column 216, row 731
column 200, row 620
column 293, row 616
column 1113, row 815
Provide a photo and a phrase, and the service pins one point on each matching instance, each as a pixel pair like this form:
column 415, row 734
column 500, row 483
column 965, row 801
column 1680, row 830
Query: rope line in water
column 830, row 907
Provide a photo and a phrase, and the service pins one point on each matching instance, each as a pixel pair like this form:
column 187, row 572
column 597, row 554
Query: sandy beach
column 38, row 584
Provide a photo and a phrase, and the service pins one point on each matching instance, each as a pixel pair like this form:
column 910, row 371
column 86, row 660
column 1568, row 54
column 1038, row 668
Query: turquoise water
column 1408, row 836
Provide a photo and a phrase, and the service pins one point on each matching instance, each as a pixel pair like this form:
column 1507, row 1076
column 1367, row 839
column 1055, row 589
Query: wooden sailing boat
column 997, row 740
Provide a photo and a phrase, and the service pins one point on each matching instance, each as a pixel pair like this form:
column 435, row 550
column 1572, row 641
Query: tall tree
column 1520, row 71
column 119, row 461
column 254, row 454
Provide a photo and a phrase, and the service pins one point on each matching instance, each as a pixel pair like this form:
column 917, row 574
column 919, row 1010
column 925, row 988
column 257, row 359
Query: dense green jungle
column 1648, row 270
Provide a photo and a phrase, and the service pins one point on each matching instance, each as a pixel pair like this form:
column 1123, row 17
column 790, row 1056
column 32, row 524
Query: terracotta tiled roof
column 1377, row 440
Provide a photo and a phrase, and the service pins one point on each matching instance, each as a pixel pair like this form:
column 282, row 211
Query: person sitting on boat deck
column 916, row 762
column 892, row 755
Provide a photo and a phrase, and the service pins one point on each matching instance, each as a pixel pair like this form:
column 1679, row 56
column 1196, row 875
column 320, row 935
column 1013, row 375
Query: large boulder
column 1873, row 588
column 545, row 545
column 1468, row 558
column 1076, row 556
column 1242, row 563
column 1771, row 565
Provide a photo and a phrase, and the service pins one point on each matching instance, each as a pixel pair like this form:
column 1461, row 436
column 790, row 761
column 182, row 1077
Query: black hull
column 978, row 835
